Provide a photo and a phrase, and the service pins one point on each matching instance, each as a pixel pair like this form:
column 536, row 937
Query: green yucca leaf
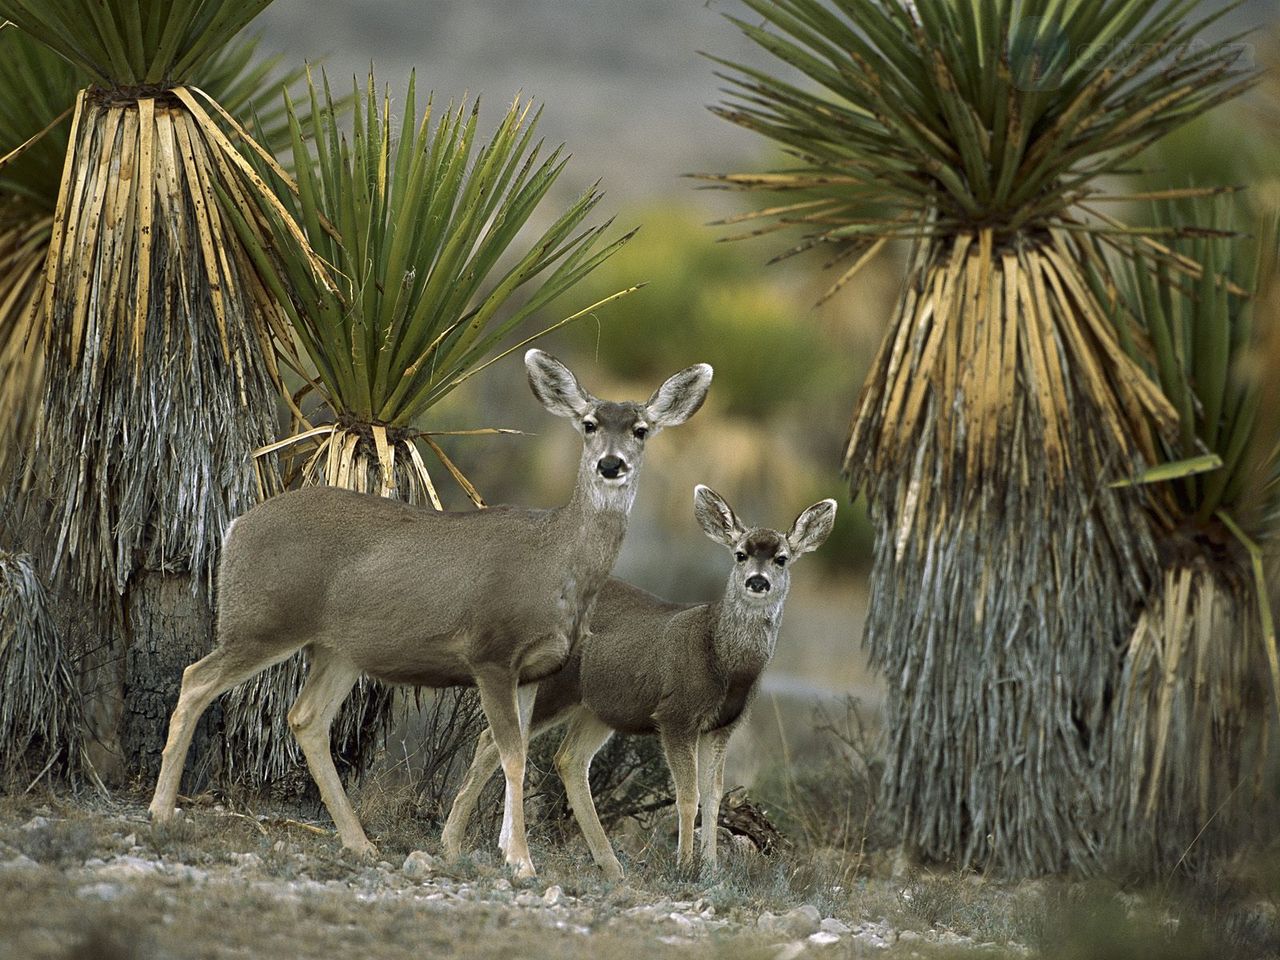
column 422, row 231
column 1204, row 355
column 130, row 43
column 995, row 113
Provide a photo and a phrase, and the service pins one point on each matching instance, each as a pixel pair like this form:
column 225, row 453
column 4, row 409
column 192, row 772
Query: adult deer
column 684, row 671
column 496, row 598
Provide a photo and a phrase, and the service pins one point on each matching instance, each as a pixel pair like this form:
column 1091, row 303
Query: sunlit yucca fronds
column 37, row 96
column 1192, row 706
column 988, row 135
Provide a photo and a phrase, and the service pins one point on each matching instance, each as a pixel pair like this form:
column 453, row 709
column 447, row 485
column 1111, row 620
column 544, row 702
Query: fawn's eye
column 641, row 432
column 740, row 556
column 589, row 426
column 780, row 560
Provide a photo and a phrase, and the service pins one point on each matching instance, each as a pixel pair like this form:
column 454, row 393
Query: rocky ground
column 87, row 878
column 100, row 883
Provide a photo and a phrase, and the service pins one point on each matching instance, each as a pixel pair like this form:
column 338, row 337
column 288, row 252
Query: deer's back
column 411, row 595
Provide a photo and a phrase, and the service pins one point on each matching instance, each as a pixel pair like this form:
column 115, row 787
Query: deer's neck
column 745, row 634
column 590, row 528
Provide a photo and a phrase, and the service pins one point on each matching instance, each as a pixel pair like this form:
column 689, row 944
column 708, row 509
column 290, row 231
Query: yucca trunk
column 1192, row 724
column 1006, row 572
column 41, row 731
column 159, row 389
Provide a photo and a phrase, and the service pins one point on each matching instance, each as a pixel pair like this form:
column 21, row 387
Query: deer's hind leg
column 329, row 680
column 582, row 741
column 202, row 682
column 486, row 761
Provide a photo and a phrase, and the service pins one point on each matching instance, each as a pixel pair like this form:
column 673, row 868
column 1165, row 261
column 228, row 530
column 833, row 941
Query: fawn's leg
column 681, row 749
column 202, row 682
column 501, row 708
column 712, row 749
column 584, row 738
column 329, row 680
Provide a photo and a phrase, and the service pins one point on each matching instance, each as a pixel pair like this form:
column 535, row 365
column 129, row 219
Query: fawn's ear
column 812, row 527
column 680, row 397
column 716, row 517
column 556, row 388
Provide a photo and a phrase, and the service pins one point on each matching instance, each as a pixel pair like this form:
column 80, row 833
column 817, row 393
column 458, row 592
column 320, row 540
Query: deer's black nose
column 757, row 583
column 611, row 467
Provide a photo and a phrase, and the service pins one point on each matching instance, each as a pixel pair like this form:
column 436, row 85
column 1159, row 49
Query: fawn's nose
column 757, row 583
column 611, row 467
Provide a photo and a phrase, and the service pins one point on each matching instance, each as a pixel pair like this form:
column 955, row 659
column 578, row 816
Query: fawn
column 684, row 671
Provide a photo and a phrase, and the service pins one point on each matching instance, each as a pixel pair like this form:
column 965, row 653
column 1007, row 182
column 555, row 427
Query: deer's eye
column 780, row 561
column 740, row 556
column 589, row 426
column 641, row 432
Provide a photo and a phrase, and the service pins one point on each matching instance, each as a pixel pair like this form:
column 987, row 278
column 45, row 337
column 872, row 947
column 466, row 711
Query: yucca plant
column 1193, row 712
column 1002, row 400
column 159, row 376
column 38, row 91
column 423, row 227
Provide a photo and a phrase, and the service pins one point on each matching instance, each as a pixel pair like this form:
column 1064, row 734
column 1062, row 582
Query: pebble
column 502, row 884
column 418, row 865
column 800, row 922
column 552, row 895
column 20, row 862
column 36, row 823
column 127, row 867
column 824, row 939
column 832, row 925
column 99, row 891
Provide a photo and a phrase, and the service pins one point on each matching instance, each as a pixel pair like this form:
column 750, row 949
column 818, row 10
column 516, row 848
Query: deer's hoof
column 362, row 849
column 612, row 870
column 523, row 869
column 159, row 814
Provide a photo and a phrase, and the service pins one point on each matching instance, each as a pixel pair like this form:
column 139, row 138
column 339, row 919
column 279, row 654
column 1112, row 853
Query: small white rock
column 99, row 891
column 552, row 895
column 832, row 925
column 36, row 823
column 129, row 866
column 20, row 862
column 130, row 841
column 502, row 883
column 824, row 939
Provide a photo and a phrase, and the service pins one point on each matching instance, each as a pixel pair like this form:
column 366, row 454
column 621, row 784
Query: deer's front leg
column 712, row 748
column 526, row 694
column 501, row 708
column 681, row 749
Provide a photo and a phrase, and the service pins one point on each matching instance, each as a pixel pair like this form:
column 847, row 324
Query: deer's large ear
column 680, row 397
column 812, row 527
column 716, row 517
column 556, row 388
